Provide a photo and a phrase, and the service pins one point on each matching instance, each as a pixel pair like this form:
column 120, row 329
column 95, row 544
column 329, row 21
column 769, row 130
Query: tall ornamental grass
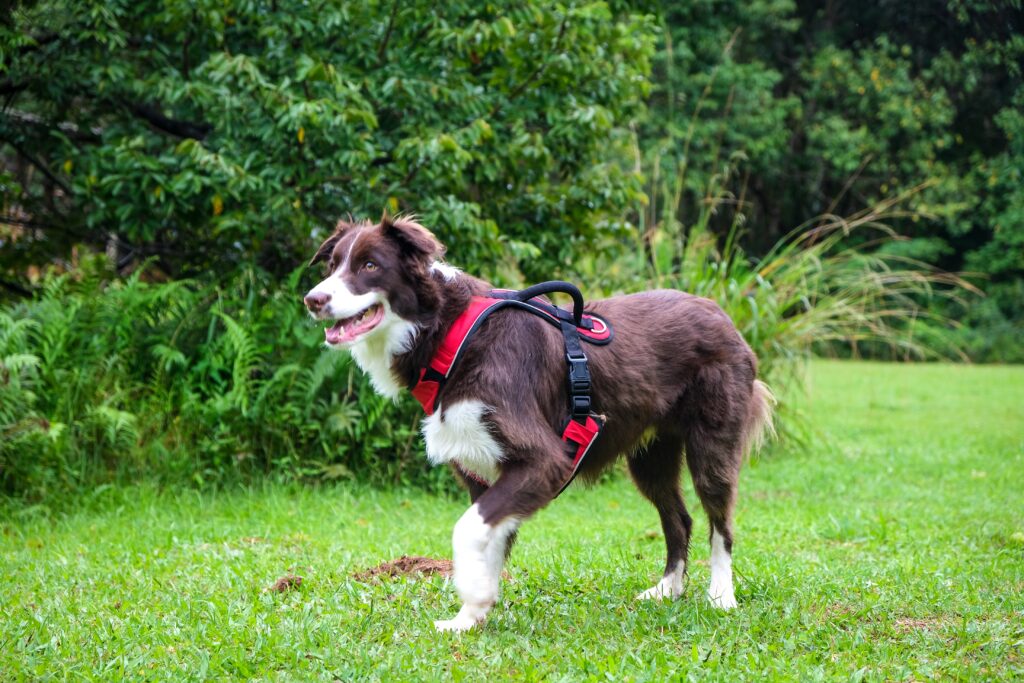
column 829, row 287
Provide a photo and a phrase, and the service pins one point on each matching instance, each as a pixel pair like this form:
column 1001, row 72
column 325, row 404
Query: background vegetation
column 167, row 166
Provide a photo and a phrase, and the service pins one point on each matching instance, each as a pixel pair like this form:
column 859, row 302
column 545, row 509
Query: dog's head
column 378, row 276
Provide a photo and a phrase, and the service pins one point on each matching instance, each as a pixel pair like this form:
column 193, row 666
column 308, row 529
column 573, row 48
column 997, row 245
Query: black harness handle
column 579, row 372
column 556, row 286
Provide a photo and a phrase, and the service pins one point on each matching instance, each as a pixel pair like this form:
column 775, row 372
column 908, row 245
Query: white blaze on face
column 720, row 592
column 342, row 301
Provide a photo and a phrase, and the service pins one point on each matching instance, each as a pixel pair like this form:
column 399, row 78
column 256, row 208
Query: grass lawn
column 893, row 551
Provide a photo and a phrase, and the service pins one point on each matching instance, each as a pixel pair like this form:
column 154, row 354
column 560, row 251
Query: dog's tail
column 759, row 425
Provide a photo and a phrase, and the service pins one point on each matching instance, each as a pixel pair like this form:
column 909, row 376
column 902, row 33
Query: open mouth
column 350, row 329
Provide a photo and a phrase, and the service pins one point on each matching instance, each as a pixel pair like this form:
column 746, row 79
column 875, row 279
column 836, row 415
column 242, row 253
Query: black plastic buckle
column 580, row 407
column 579, row 375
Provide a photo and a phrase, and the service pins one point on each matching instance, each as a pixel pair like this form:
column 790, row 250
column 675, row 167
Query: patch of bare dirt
column 910, row 625
column 404, row 566
column 285, row 583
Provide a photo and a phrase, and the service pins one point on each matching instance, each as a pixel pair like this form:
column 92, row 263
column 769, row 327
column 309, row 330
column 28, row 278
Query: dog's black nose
column 315, row 302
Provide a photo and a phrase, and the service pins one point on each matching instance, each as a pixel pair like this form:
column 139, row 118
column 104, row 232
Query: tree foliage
column 798, row 109
column 166, row 166
column 210, row 133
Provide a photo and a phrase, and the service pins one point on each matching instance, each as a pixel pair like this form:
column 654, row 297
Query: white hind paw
column 724, row 599
column 670, row 587
column 468, row 617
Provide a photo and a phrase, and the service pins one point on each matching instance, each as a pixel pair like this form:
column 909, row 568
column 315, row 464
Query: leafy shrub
column 105, row 378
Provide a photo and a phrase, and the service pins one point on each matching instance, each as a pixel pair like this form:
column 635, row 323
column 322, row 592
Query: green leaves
column 294, row 115
column 104, row 379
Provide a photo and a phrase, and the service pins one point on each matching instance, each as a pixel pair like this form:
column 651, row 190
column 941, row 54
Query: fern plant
column 102, row 378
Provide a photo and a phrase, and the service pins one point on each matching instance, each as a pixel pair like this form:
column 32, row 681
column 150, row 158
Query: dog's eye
column 370, row 266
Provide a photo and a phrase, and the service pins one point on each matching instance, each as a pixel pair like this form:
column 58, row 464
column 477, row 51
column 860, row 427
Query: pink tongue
column 347, row 330
column 335, row 334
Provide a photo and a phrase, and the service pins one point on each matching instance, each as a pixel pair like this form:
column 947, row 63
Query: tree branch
column 196, row 130
column 38, row 163
column 383, row 49
column 72, row 130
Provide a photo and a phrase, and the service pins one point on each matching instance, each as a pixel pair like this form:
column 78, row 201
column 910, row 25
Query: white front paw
column 467, row 618
column 457, row 624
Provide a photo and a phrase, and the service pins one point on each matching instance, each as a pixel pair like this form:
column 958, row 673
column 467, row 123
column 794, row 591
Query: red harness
column 583, row 426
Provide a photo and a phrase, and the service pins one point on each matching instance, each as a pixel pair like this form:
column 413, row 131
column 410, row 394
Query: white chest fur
column 458, row 433
column 375, row 352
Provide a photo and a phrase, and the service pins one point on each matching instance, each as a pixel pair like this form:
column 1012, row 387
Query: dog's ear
column 411, row 237
column 323, row 252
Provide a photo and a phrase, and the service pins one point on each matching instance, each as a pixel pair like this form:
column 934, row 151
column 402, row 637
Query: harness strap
column 592, row 328
column 583, row 426
column 583, row 434
column 433, row 377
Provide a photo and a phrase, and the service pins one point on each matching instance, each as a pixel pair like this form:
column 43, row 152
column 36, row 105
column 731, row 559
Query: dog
column 677, row 383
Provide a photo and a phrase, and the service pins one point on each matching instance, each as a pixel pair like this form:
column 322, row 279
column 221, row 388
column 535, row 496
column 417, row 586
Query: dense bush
column 102, row 378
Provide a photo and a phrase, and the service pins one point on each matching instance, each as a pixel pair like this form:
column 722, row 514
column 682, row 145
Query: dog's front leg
column 478, row 555
column 481, row 538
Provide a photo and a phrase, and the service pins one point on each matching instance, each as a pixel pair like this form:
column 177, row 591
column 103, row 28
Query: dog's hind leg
column 483, row 535
column 655, row 469
column 732, row 412
column 714, row 460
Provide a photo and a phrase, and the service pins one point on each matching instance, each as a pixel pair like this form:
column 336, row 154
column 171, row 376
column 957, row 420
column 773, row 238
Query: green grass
column 895, row 551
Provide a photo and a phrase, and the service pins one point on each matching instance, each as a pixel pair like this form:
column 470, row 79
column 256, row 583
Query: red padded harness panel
column 441, row 364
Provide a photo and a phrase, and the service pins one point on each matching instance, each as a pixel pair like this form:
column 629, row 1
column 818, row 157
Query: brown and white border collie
column 678, row 382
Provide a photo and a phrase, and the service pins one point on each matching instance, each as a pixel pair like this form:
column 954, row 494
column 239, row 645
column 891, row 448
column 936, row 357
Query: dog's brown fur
column 677, row 379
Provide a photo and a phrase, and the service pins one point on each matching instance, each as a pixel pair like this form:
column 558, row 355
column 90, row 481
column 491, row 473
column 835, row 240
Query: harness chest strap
column 583, row 427
column 433, row 377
